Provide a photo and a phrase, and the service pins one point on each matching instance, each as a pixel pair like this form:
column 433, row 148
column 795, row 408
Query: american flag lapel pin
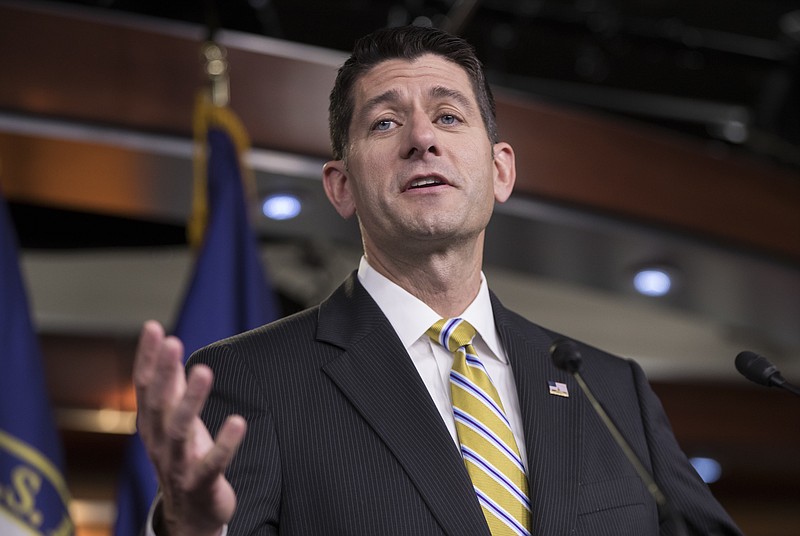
column 558, row 388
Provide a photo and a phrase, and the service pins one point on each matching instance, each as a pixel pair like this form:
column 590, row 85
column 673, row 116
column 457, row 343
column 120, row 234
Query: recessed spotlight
column 652, row 281
column 281, row 206
column 709, row 469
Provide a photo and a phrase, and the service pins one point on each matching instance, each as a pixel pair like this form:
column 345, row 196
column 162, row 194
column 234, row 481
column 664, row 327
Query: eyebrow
column 441, row 92
column 388, row 96
column 437, row 92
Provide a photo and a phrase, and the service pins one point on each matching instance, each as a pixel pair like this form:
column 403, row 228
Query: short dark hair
column 406, row 42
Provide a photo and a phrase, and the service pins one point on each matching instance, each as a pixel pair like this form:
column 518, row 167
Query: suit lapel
column 552, row 424
column 375, row 373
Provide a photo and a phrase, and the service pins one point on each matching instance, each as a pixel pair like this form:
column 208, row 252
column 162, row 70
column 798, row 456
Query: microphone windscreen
column 755, row 368
column 566, row 355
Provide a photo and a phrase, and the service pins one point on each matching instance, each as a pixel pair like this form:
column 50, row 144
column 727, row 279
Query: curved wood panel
column 142, row 74
column 639, row 173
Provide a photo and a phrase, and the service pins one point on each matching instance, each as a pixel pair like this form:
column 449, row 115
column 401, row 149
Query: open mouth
column 425, row 182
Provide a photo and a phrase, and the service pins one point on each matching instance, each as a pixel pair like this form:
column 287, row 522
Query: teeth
column 424, row 182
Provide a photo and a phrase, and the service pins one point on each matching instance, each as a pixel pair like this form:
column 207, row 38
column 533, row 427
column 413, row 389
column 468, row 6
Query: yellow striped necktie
column 487, row 445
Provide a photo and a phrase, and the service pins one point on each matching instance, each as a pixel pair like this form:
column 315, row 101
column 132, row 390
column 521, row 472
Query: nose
column 421, row 138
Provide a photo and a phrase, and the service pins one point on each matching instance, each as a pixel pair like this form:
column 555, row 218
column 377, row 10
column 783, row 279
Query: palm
column 197, row 499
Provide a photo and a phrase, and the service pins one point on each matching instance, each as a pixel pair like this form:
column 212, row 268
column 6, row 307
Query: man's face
column 419, row 170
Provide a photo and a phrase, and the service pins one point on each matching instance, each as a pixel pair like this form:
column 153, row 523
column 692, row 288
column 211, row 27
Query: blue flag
column 33, row 495
column 228, row 292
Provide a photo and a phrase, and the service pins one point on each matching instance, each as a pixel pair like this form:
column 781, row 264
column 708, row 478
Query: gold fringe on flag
column 208, row 114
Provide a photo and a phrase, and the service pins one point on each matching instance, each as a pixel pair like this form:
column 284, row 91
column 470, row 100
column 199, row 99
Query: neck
column 447, row 281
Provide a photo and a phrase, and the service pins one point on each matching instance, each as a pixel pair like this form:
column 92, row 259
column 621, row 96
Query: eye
column 383, row 124
column 448, row 119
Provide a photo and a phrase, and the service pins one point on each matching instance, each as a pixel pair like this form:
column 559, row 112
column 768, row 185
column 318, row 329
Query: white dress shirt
column 411, row 318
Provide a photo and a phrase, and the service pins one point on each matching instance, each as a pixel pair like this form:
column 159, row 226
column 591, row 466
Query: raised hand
column 197, row 499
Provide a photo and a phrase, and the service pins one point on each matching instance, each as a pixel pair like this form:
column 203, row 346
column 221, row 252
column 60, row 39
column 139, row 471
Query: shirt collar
column 411, row 317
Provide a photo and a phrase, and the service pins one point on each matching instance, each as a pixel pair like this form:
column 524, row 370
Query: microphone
column 759, row 369
column 567, row 357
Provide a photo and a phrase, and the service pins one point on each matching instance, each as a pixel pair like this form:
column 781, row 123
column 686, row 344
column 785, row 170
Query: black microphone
column 759, row 369
column 567, row 357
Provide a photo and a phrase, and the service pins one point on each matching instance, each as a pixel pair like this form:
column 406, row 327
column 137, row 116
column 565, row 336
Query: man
column 355, row 422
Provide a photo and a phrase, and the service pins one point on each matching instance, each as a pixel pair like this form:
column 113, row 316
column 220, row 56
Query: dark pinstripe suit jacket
column 344, row 439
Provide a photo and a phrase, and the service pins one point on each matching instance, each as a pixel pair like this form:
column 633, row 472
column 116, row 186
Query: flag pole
column 216, row 68
column 212, row 110
column 228, row 291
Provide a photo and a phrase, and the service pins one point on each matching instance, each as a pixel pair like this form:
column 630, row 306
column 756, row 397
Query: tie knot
column 453, row 333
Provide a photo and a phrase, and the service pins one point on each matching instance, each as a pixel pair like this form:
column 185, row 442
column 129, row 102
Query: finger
column 186, row 415
column 150, row 339
column 151, row 351
column 169, row 379
column 165, row 389
column 198, row 386
column 228, row 439
column 144, row 370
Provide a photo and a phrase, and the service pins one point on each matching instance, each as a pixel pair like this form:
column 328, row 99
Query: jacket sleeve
column 255, row 471
column 685, row 491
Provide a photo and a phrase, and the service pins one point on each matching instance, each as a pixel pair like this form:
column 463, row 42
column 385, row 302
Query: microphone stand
column 760, row 370
column 567, row 357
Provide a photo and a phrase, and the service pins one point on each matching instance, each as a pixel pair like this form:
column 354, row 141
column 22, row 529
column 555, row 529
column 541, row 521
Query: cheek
column 364, row 185
column 479, row 164
column 478, row 151
column 371, row 175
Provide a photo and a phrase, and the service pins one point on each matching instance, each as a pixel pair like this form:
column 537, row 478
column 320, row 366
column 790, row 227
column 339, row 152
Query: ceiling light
column 709, row 469
column 281, row 206
column 652, row 281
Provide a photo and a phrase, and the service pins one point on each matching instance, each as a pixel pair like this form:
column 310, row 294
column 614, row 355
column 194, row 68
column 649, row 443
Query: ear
column 337, row 187
column 505, row 171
